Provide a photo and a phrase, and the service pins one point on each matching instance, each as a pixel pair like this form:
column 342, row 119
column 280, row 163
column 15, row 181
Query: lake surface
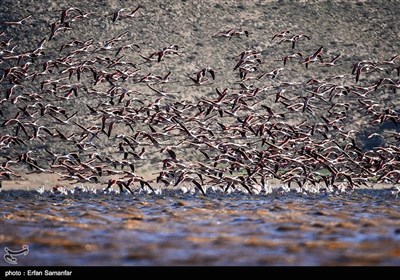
column 360, row 228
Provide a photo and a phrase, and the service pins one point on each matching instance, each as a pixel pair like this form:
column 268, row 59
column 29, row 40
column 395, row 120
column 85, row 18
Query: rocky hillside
column 144, row 85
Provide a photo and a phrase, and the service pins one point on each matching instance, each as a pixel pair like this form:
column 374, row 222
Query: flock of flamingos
column 90, row 113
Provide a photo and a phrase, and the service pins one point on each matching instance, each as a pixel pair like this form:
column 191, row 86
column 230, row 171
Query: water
column 362, row 228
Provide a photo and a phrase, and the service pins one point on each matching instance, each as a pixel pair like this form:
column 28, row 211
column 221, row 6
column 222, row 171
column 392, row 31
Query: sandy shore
column 32, row 182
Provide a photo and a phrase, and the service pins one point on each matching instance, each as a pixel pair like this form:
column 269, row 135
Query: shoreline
column 32, row 182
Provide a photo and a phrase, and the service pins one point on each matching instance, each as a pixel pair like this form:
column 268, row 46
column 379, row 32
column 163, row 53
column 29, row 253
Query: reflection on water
column 362, row 228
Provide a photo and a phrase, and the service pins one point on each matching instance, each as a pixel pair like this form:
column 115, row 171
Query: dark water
column 362, row 228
